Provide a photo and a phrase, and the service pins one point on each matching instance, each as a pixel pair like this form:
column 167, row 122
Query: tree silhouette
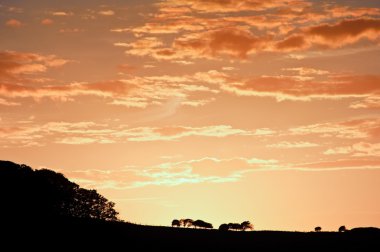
column 176, row 223
column 223, row 227
column 28, row 193
column 245, row 225
column 186, row 222
column 318, row 229
column 342, row 229
column 202, row 224
column 235, row 226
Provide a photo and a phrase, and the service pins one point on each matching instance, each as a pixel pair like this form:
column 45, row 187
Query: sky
column 221, row 110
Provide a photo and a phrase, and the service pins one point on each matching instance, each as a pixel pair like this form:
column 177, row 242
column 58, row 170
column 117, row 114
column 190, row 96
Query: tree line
column 245, row 225
column 340, row 229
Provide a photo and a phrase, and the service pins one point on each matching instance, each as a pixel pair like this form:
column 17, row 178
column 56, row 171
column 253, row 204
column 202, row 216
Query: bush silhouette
column 235, row 226
column 176, row 223
column 223, row 227
column 245, row 225
column 186, row 222
column 342, row 229
column 317, row 229
column 28, row 193
column 202, row 224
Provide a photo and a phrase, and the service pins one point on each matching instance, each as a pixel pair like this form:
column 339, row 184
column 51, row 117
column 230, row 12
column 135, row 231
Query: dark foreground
column 89, row 234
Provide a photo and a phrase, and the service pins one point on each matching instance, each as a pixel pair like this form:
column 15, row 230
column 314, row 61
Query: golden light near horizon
column 218, row 110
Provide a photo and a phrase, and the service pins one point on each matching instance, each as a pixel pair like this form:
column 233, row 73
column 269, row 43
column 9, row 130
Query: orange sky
column 219, row 110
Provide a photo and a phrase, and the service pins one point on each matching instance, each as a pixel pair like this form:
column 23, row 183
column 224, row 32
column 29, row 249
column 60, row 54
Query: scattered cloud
column 106, row 12
column 361, row 149
column 295, row 88
column 62, row 13
column 215, row 6
column 235, row 42
column 292, row 145
column 47, row 21
column 204, row 170
column 336, row 35
column 16, row 66
column 342, row 164
column 13, row 23
column 368, row 128
column 91, row 132
column 371, row 102
column 4, row 102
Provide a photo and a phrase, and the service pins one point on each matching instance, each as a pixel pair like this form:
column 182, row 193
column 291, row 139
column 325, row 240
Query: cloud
column 97, row 133
column 295, row 88
column 307, row 71
column 335, row 35
column 361, row 149
column 83, row 140
column 212, row 6
column 13, row 23
column 17, row 68
column 197, row 103
column 343, row 164
column 368, row 128
column 235, row 42
column 62, row 13
column 178, row 132
column 15, row 65
column 47, row 21
column 141, row 47
column 106, row 13
column 292, row 145
column 66, row 92
column 346, row 11
column 371, row 102
column 4, row 102
column 204, row 170
column 14, row 9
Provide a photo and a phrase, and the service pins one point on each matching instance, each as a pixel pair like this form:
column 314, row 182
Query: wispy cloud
column 361, row 149
column 13, row 23
column 97, row 133
column 292, row 145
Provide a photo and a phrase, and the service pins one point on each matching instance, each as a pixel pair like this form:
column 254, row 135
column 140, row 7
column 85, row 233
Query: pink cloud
column 233, row 42
column 214, row 6
column 361, row 149
column 106, row 12
column 368, row 128
column 335, row 35
column 13, row 65
column 47, row 21
column 343, row 164
column 13, row 23
column 291, row 88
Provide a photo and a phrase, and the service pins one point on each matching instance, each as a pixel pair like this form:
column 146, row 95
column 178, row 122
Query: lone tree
column 31, row 194
column 342, row 229
column 317, row 229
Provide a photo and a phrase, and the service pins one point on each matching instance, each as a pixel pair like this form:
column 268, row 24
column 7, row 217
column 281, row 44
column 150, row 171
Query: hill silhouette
column 26, row 193
column 43, row 209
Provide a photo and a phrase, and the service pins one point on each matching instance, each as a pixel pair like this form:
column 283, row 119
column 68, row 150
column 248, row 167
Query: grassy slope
column 97, row 234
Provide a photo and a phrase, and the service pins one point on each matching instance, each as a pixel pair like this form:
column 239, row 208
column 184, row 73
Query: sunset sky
column 221, row 110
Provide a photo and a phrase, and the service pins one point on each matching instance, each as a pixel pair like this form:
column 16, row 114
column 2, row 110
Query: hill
column 35, row 207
